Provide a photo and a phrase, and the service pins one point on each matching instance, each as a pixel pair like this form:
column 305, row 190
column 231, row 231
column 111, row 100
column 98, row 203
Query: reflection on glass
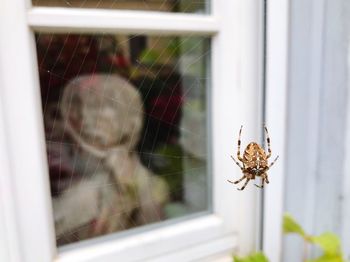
column 126, row 130
column 178, row 6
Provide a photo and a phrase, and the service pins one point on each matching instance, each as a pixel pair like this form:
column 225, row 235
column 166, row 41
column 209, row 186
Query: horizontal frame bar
column 152, row 244
column 206, row 251
column 45, row 19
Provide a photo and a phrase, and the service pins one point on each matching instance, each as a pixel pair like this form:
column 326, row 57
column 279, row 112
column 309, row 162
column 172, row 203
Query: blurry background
column 317, row 178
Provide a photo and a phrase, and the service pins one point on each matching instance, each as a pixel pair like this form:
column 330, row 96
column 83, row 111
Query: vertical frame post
column 276, row 114
column 26, row 175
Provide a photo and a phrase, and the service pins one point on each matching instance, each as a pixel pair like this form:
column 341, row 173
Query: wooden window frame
column 26, row 222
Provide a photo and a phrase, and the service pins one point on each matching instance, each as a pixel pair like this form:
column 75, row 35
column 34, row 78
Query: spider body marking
column 254, row 161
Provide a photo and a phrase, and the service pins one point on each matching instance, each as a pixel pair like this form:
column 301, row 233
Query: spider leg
column 237, row 163
column 262, row 183
column 239, row 145
column 245, row 184
column 265, row 177
column 268, row 142
column 273, row 162
column 237, row 181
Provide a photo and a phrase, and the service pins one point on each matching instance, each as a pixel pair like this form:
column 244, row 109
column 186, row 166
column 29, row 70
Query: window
column 69, row 73
column 126, row 130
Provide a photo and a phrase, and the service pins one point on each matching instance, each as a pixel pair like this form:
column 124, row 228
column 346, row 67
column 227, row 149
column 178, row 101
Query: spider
column 254, row 161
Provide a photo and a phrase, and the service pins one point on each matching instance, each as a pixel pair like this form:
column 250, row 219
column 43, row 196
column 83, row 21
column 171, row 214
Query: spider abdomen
column 254, row 156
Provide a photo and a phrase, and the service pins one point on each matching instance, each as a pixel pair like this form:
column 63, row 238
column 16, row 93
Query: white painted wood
column 5, row 253
column 235, row 103
column 333, row 105
column 222, row 258
column 317, row 149
column 305, row 80
column 234, row 86
column 252, row 54
column 146, row 245
column 250, row 111
column 203, row 252
column 276, row 114
column 345, row 227
column 118, row 21
column 9, row 239
column 23, row 128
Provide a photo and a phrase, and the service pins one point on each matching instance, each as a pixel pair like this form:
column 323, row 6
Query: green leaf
column 174, row 47
column 291, row 226
column 325, row 258
column 255, row 257
column 329, row 243
column 149, row 56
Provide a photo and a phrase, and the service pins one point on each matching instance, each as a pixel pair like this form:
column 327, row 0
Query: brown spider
column 254, row 161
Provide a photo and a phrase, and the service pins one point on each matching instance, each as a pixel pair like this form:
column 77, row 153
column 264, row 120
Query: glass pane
column 177, row 6
column 126, row 130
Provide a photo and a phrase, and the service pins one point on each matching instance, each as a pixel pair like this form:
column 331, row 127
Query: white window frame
column 26, row 223
column 277, row 53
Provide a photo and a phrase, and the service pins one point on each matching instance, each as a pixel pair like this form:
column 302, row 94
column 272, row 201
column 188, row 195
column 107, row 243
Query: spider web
column 183, row 6
column 161, row 142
